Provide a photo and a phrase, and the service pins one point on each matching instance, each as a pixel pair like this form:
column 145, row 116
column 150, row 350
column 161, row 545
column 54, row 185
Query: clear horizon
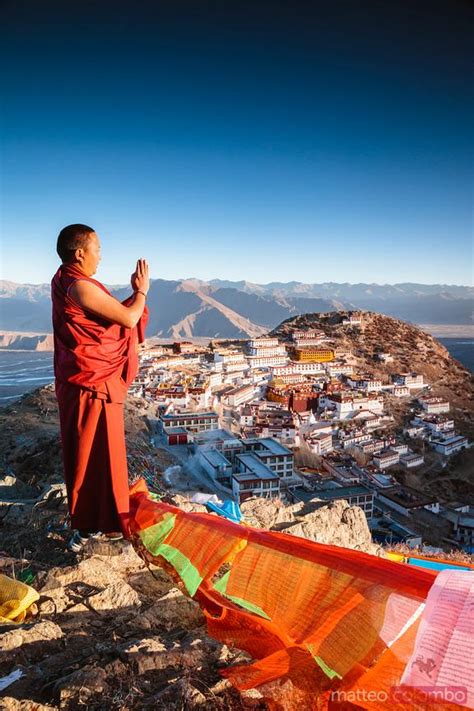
column 271, row 281
column 313, row 143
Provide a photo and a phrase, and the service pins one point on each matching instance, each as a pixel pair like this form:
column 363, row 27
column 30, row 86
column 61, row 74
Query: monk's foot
column 79, row 540
column 114, row 536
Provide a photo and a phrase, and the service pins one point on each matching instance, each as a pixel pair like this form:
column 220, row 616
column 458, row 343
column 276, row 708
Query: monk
column 96, row 341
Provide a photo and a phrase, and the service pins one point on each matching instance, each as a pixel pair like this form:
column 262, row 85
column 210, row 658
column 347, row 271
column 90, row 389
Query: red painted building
column 176, row 435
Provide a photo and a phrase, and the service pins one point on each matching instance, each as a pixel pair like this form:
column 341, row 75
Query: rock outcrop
column 336, row 523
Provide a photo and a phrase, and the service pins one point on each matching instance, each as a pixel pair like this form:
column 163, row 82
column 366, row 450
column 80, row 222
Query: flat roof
column 257, row 468
column 438, row 418
column 272, row 445
column 189, row 415
column 241, row 388
column 407, row 497
column 321, row 425
column 215, row 457
column 214, row 435
column 387, row 453
column 432, row 400
column 249, row 476
column 383, row 478
column 175, row 430
column 321, row 435
column 330, row 493
column 344, row 491
column 383, row 525
column 450, row 440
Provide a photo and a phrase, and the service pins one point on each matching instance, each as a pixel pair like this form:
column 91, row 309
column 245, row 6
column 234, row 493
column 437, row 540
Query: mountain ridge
column 222, row 308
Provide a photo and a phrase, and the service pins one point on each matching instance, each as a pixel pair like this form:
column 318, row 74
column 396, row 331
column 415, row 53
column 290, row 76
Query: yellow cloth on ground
column 396, row 557
column 15, row 599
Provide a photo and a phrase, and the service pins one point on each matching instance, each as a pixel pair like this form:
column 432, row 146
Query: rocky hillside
column 412, row 350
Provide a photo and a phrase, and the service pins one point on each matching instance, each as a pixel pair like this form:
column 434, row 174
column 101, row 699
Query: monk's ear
column 79, row 254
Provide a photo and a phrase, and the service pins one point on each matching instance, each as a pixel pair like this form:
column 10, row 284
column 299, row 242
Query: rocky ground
column 111, row 634
column 107, row 632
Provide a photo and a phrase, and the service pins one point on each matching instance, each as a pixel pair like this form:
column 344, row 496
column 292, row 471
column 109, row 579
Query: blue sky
column 268, row 141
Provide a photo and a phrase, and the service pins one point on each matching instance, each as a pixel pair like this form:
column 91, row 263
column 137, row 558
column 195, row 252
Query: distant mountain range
column 226, row 309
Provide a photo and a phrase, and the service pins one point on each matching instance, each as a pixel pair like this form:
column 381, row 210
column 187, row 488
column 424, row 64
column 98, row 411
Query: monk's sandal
column 79, row 540
column 113, row 537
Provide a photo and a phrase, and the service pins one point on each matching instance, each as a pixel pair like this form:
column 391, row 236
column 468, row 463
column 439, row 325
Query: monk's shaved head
column 71, row 238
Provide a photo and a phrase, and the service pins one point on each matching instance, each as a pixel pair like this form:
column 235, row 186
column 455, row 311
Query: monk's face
column 90, row 257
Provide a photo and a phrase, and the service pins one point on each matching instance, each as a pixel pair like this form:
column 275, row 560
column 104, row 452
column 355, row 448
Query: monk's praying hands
column 140, row 279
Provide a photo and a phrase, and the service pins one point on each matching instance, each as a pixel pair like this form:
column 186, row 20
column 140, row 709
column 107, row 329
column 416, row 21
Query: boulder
column 29, row 642
column 267, row 513
column 114, row 597
column 337, row 524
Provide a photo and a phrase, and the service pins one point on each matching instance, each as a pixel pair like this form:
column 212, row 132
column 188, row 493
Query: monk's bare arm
column 91, row 298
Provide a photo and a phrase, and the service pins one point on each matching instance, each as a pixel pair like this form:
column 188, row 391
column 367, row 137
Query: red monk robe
column 94, row 363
